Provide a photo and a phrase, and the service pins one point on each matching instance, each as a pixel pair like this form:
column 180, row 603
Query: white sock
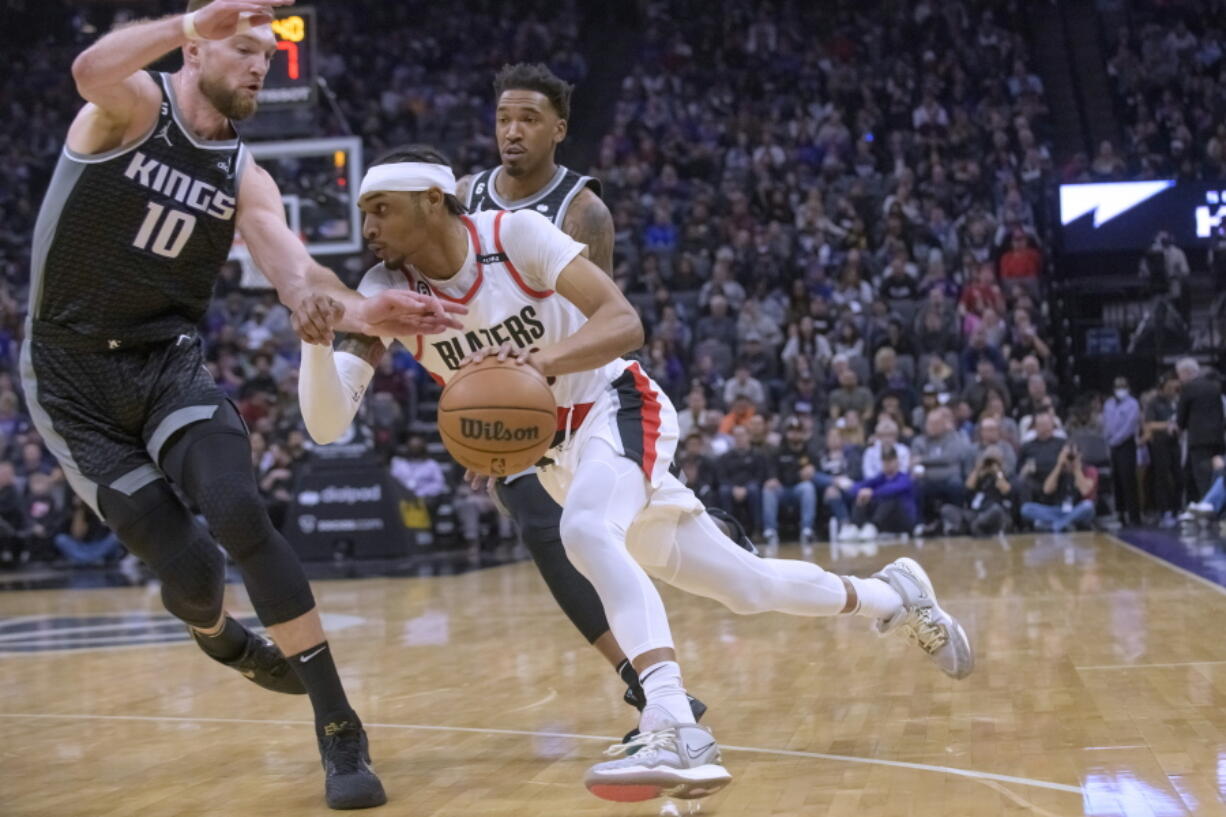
column 666, row 698
column 876, row 599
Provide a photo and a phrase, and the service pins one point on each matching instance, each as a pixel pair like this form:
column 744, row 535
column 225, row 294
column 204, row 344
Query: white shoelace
column 663, row 739
column 925, row 632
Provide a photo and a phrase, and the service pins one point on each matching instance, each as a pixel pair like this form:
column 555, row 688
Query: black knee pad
column 236, row 514
column 211, row 461
column 154, row 524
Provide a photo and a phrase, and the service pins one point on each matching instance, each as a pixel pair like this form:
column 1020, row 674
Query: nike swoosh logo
column 695, row 755
column 309, row 656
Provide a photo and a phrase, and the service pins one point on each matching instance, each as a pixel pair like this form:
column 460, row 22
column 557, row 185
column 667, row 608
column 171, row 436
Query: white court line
column 90, row 639
column 1153, row 666
column 59, row 648
column 168, row 626
column 14, row 621
column 553, row 693
column 899, row 764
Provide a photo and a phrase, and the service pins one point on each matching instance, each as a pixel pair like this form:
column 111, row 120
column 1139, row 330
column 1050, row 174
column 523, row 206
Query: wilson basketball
column 497, row 418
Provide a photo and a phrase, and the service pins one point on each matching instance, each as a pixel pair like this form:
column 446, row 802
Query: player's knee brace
column 236, row 515
column 213, row 464
column 232, row 505
column 154, row 525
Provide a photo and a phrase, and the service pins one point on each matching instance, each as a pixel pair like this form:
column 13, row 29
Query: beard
column 227, row 101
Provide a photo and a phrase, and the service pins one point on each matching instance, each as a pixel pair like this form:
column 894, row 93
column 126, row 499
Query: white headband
column 407, row 177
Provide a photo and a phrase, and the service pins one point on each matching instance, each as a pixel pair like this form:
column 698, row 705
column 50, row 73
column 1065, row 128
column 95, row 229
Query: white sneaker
column 681, row 760
column 868, row 533
column 922, row 620
column 806, row 537
column 772, row 538
column 1200, row 508
column 849, row 533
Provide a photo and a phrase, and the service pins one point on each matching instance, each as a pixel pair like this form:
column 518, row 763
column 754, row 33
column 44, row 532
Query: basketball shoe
column 923, row 621
column 677, row 760
column 638, row 699
column 349, row 780
column 262, row 663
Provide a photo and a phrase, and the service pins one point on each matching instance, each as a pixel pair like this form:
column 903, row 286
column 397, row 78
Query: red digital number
column 291, row 51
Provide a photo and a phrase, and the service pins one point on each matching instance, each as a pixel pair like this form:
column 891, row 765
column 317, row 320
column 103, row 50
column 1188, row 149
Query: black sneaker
column 349, row 781
column 262, row 663
column 696, row 706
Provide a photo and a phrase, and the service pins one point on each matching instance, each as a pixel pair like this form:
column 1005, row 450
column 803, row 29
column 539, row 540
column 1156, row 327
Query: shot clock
column 291, row 78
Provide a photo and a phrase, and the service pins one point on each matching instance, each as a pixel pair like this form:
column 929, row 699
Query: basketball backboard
column 316, row 177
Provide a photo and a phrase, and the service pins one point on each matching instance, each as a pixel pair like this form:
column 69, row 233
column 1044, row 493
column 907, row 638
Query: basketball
column 497, row 418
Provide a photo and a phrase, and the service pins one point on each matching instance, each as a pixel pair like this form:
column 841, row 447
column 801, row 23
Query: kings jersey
column 128, row 244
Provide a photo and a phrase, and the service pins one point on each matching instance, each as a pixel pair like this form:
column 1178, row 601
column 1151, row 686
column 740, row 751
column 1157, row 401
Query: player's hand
column 865, row 496
column 505, row 352
column 224, row 18
column 398, row 313
column 316, row 317
column 477, row 482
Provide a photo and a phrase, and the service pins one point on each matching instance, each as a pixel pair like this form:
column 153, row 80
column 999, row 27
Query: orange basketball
column 497, row 418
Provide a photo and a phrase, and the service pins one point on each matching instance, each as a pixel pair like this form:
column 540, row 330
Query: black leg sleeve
column 211, row 462
column 538, row 517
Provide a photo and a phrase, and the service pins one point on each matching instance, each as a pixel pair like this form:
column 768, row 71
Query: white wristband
column 189, row 26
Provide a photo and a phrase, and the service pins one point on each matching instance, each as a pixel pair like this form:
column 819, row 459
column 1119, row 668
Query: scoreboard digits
column 291, row 77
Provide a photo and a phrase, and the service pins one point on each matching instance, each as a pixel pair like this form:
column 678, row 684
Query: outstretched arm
column 331, row 384
column 320, row 302
column 109, row 75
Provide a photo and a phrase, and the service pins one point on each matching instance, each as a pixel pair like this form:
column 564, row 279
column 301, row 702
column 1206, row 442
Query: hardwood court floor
column 1100, row 690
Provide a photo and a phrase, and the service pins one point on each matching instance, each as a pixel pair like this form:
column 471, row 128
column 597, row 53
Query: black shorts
column 107, row 415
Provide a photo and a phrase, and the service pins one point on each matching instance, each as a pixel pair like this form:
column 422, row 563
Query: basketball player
column 138, row 219
column 532, row 117
column 533, row 296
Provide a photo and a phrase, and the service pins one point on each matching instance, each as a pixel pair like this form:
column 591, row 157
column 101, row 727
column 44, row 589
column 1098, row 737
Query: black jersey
column 128, row 243
column 551, row 201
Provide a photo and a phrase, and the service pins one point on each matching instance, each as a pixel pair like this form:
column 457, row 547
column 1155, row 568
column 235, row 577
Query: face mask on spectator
column 1121, row 394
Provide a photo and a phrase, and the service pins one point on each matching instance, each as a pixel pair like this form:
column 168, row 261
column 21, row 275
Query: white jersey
column 507, row 282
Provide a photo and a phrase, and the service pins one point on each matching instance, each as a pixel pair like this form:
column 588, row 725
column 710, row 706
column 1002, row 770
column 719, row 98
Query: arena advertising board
column 1121, row 216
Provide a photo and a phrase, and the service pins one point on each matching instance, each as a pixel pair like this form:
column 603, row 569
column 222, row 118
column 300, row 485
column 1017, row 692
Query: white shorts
column 638, row 421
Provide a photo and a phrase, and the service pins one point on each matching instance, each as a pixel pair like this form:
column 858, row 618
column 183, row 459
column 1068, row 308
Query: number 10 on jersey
column 165, row 231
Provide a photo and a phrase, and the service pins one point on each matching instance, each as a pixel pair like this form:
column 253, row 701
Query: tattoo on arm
column 363, row 346
column 590, row 223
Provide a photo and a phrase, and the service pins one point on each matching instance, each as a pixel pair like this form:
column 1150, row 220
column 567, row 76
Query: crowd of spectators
column 1168, row 69
column 828, row 215
column 829, row 219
